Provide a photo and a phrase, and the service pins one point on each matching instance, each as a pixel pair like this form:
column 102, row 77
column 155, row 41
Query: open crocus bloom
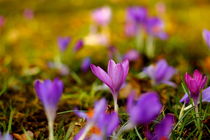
column 161, row 73
column 102, row 15
column 155, row 27
column 6, row 136
column 206, row 37
column 145, row 109
column 99, row 123
column 49, row 93
column 116, row 75
column 137, row 15
column 163, row 129
column 195, row 84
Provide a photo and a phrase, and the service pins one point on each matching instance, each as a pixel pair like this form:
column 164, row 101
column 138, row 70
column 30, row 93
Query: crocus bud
column 49, row 92
column 137, row 15
column 79, row 44
column 63, row 43
column 206, row 37
column 85, row 64
column 145, row 109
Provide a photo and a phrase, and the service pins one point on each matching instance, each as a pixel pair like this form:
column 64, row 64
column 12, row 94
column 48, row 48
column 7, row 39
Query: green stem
column 50, row 127
column 115, row 103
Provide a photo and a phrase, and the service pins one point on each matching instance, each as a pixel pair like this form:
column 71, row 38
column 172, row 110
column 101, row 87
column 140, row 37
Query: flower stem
column 115, row 103
column 86, row 129
column 150, row 47
column 124, row 128
column 50, row 127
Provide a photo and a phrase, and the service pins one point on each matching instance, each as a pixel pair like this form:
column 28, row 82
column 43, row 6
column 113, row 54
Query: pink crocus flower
column 115, row 77
column 102, row 15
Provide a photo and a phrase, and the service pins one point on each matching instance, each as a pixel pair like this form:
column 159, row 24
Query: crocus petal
column 150, row 71
column 102, row 75
column 161, row 69
column 99, row 108
column 147, row 109
column 206, row 95
column 163, row 129
column 125, row 65
column 185, row 99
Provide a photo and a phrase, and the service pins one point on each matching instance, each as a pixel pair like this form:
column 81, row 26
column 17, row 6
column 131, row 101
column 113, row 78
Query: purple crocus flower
column 102, row 15
column 98, row 119
column 145, row 109
column 155, row 27
column 160, row 73
column 163, row 129
column 115, row 77
column 28, row 13
column 206, row 37
column 6, row 136
column 79, row 44
column 63, row 43
column 49, row 93
column 85, row 64
column 2, row 21
column 131, row 55
column 137, row 15
column 195, row 84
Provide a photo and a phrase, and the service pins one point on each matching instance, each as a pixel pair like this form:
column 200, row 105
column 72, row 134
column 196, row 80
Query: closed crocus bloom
column 161, row 73
column 79, row 44
column 115, row 77
column 145, row 109
column 163, row 129
column 195, row 84
column 155, row 27
column 85, row 64
column 102, row 15
column 49, row 93
column 63, row 42
column 6, row 136
column 206, row 37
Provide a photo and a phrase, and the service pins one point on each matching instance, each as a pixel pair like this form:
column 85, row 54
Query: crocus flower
column 28, row 13
column 115, row 77
column 85, row 64
column 145, row 109
column 161, row 73
column 79, row 44
column 49, row 93
column 195, row 84
column 206, row 37
column 2, row 21
column 155, row 27
column 102, row 15
column 63, row 43
column 6, row 136
column 101, row 123
column 163, row 129
column 137, row 15
column 131, row 55
column 131, row 29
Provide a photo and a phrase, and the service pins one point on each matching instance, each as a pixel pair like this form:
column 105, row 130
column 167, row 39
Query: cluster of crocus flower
column 6, row 136
column 115, row 77
column 139, row 22
column 206, row 36
column 100, row 124
column 160, row 73
column 196, row 84
column 49, row 92
column 144, row 111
